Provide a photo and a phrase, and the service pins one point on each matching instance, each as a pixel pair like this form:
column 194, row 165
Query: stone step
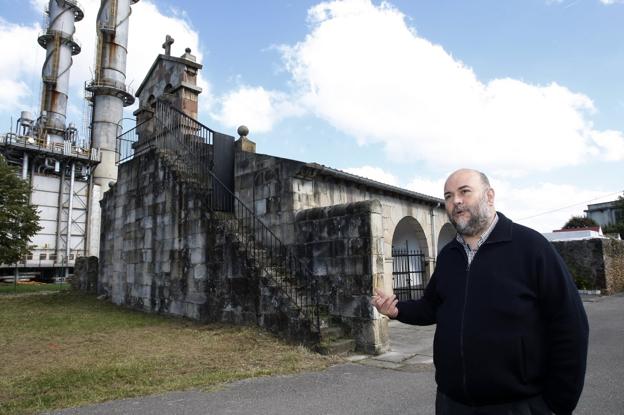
column 332, row 332
column 337, row 347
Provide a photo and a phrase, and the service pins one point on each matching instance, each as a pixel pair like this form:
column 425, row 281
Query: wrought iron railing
column 272, row 257
column 185, row 143
column 125, row 144
column 173, row 133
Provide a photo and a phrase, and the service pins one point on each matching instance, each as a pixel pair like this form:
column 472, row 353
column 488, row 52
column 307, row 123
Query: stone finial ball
column 243, row 131
column 187, row 50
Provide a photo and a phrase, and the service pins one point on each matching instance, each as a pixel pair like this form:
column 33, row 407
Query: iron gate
column 408, row 273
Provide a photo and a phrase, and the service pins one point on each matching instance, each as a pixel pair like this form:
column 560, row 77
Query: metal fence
column 408, row 273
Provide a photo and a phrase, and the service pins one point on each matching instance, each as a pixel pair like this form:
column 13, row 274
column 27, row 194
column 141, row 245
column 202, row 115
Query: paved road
column 400, row 381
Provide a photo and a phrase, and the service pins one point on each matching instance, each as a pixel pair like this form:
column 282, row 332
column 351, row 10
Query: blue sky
column 404, row 92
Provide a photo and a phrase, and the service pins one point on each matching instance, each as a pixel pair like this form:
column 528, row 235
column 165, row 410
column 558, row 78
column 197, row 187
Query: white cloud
column 610, row 2
column 374, row 173
column 542, row 206
column 431, row 187
column 20, row 66
column 365, row 71
column 545, row 206
column 257, row 108
column 12, row 95
column 611, row 143
column 39, row 5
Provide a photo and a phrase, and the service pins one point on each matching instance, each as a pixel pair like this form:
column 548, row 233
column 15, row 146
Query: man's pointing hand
column 385, row 304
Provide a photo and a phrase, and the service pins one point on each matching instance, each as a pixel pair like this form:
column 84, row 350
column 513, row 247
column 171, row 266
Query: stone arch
column 409, row 234
column 409, row 253
column 446, row 235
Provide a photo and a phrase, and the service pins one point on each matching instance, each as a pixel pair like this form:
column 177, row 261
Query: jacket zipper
column 461, row 331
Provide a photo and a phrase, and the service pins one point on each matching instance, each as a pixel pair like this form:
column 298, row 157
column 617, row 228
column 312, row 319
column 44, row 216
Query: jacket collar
column 502, row 230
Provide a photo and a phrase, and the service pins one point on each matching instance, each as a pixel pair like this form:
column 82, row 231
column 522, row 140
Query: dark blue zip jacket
column 509, row 326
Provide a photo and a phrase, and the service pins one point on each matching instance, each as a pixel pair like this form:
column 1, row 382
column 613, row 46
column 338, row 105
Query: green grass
column 20, row 288
column 65, row 349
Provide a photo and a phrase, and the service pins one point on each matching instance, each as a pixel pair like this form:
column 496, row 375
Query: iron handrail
column 124, row 146
column 290, row 263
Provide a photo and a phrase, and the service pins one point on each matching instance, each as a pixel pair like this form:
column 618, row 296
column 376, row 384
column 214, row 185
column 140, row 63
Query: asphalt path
column 399, row 382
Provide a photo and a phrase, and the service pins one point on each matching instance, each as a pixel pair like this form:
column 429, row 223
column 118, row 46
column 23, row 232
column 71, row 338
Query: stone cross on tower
column 167, row 45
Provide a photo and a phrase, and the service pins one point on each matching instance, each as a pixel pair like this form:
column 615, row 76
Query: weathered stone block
column 196, row 298
column 200, row 272
column 198, row 256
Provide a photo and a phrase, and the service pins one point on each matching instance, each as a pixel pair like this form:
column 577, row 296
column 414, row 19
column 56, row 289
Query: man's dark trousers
column 531, row 406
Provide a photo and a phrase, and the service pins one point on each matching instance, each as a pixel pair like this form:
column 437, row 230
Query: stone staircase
column 331, row 336
column 187, row 159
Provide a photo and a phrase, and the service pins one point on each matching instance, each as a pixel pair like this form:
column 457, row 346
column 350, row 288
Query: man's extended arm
column 420, row 312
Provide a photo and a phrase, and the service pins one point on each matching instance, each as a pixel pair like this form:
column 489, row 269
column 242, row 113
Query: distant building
column 572, row 234
column 606, row 213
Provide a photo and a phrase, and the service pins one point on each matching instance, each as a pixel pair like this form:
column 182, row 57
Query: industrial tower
column 68, row 175
column 108, row 91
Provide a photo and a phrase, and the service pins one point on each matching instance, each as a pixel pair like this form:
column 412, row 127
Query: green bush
column 580, row 222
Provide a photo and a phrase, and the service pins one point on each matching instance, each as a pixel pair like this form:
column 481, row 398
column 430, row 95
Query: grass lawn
column 65, row 349
column 29, row 287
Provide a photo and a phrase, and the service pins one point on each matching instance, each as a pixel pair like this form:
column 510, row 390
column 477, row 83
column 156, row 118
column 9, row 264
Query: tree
column 617, row 227
column 580, row 222
column 19, row 221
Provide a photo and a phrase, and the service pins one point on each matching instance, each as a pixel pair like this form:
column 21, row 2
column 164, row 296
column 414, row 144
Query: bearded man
column 511, row 335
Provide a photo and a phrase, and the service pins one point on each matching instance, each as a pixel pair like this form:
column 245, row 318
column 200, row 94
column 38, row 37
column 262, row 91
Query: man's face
column 469, row 204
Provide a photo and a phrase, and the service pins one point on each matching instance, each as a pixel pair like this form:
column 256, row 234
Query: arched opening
column 409, row 234
column 447, row 234
column 409, row 278
column 409, row 253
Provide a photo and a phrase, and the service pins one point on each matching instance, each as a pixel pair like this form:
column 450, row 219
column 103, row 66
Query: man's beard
column 478, row 220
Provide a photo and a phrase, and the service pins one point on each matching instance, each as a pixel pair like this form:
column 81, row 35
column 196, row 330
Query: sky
column 403, row 92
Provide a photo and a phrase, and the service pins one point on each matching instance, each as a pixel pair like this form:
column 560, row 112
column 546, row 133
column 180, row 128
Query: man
column 511, row 335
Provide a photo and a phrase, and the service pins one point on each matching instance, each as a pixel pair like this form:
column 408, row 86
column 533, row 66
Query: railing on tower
column 186, row 141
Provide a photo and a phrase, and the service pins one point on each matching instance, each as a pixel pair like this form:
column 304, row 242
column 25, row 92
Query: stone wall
column 85, row 276
column 595, row 264
column 614, row 265
column 155, row 241
column 276, row 189
column 342, row 245
column 163, row 251
column 264, row 184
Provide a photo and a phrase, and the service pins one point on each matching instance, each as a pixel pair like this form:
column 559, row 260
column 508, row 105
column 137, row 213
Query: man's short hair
column 484, row 180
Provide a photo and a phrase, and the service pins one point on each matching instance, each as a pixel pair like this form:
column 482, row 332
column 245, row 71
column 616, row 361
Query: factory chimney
column 107, row 91
column 58, row 40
